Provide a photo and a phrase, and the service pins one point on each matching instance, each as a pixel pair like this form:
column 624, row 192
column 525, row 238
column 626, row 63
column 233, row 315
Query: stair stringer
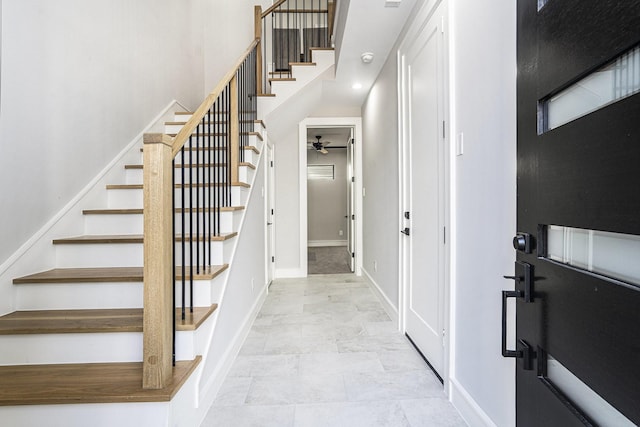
column 241, row 296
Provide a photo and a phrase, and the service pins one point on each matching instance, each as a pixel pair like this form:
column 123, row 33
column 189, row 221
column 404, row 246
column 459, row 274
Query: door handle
column 406, row 231
column 269, row 223
column 505, row 295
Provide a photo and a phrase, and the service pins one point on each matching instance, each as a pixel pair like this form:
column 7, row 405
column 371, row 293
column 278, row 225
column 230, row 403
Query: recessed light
column 392, row 3
column 367, row 57
column 357, row 86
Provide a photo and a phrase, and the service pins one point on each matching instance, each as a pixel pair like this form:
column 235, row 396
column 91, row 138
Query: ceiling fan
column 318, row 145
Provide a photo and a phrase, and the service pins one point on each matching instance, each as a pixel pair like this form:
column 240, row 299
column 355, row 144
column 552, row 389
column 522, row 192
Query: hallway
column 323, row 352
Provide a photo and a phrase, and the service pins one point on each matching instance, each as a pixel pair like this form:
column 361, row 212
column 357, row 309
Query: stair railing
column 288, row 30
column 188, row 180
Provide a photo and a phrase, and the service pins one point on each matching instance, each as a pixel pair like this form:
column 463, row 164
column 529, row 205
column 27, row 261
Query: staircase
column 72, row 352
column 77, row 336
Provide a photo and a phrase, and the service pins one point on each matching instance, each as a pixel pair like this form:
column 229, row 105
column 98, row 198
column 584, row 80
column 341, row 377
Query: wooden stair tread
column 85, row 383
column 302, row 64
column 133, row 238
column 266, row 95
column 139, row 186
column 140, row 211
column 321, row 48
column 282, row 79
column 203, row 165
column 91, row 321
column 246, row 147
column 107, row 275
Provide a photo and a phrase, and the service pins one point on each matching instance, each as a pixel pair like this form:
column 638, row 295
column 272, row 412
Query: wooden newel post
column 158, row 272
column 258, row 35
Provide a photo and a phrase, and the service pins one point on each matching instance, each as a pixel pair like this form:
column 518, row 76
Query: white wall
column 327, row 199
column 79, row 80
column 484, row 110
column 482, row 85
column 381, row 182
column 228, row 31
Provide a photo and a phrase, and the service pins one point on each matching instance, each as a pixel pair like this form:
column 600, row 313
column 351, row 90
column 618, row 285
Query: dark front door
column 577, row 272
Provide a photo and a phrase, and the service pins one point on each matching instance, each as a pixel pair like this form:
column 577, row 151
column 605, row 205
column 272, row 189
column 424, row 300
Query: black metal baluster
column 182, row 243
column 209, row 191
column 190, row 215
column 173, row 258
column 197, row 244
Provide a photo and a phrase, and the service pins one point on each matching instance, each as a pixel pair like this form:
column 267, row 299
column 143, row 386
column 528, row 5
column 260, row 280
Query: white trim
column 321, row 243
column 291, row 273
column 212, row 386
column 469, row 409
column 353, row 122
column 22, row 250
column 388, row 306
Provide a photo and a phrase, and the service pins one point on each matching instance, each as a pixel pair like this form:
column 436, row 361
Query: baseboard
column 388, row 306
column 468, row 408
column 22, row 250
column 212, row 386
column 289, row 273
column 320, row 243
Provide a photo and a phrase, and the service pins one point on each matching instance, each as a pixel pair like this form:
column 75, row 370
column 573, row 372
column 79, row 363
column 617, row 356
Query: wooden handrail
column 273, row 7
column 183, row 136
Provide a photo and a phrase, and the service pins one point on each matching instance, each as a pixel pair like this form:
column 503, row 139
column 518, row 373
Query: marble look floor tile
column 339, row 363
column 302, row 318
column 290, row 331
column 333, row 330
column 403, row 360
column 381, row 328
column 253, row 345
column 250, row 416
column 433, row 412
column 374, row 343
column 264, row 365
column 349, row 414
column 233, row 392
column 392, row 386
column 281, row 308
column 362, row 316
column 283, row 390
column 329, row 307
column 300, row 346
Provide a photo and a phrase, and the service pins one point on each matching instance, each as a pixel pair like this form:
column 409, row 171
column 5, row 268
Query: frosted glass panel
column 617, row 80
column 583, row 397
column 610, row 254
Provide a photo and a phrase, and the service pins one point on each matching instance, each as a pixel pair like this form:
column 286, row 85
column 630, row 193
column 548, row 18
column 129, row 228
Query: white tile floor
column 324, row 353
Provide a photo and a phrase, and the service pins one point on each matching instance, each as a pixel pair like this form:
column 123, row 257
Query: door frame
column 269, row 201
column 330, row 122
column 404, row 126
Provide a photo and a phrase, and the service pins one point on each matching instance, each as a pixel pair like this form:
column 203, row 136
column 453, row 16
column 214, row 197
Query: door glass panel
column 613, row 255
column 583, row 397
column 617, row 80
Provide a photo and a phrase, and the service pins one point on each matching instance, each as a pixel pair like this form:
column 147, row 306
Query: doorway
column 329, row 202
column 424, row 251
column 347, row 131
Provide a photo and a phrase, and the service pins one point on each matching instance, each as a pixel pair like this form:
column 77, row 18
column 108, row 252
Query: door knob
column 522, row 242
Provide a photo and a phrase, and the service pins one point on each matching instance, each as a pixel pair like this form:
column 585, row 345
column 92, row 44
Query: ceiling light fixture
column 367, row 57
column 357, row 86
column 392, row 3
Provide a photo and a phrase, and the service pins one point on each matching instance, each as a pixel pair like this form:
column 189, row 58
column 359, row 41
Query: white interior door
column 270, row 214
column 351, row 202
column 424, row 176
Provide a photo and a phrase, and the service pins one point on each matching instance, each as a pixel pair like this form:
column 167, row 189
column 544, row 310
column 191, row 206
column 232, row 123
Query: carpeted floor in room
column 328, row 260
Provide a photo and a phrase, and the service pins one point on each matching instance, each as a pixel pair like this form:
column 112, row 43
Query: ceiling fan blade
column 323, row 151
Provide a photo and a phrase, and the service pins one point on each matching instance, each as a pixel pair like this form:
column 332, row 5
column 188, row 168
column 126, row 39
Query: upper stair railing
column 288, row 31
column 188, row 179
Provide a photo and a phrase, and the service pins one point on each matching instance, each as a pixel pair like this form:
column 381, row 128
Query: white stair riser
column 133, row 198
column 72, row 296
column 134, row 224
column 193, row 343
column 135, row 176
column 125, row 254
column 85, row 348
column 89, row 347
